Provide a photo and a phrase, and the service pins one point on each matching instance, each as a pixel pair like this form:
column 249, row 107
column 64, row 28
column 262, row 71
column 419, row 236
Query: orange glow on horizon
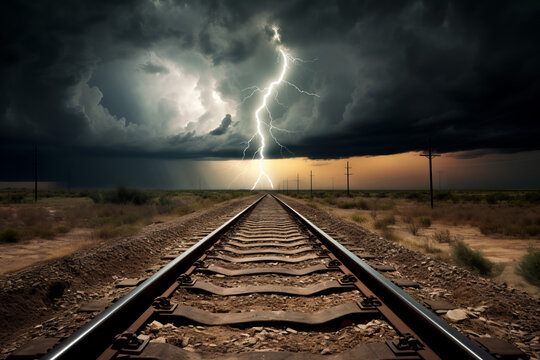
column 399, row 171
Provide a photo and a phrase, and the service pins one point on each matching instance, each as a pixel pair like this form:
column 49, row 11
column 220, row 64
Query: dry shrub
column 9, row 235
column 33, row 216
column 312, row 204
column 424, row 221
column 358, row 218
column 430, row 247
column 389, row 235
column 529, row 267
column 383, row 223
column 413, row 228
column 443, row 236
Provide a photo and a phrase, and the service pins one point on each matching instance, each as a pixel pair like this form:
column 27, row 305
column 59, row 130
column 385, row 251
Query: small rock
column 326, row 351
column 457, row 315
column 291, row 331
column 143, row 337
column 185, row 341
column 156, row 324
column 252, row 341
column 159, row 340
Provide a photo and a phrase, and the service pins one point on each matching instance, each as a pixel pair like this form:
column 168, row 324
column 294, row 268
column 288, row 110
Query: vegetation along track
column 268, row 284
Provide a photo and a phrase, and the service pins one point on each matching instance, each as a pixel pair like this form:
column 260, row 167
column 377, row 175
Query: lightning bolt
column 264, row 106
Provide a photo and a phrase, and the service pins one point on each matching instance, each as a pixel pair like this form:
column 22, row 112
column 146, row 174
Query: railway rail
column 268, row 284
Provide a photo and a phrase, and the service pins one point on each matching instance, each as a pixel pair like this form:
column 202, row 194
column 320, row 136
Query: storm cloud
column 158, row 79
column 222, row 128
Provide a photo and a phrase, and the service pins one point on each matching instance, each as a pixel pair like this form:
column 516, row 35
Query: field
column 64, row 221
column 493, row 233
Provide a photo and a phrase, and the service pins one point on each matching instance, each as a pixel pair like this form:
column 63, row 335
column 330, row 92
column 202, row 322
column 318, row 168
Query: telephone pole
column 35, row 172
column 310, row 183
column 430, row 155
column 287, row 186
column 348, row 174
column 297, row 183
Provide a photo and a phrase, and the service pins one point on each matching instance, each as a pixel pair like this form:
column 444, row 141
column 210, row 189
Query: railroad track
column 267, row 284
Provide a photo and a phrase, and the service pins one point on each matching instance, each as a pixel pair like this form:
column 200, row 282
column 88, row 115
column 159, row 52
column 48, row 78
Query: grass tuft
column 413, row 227
column 358, row 218
column 384, row 222
column 430, row 247
column 529, row 267
column 443, row 236
column 312, row 204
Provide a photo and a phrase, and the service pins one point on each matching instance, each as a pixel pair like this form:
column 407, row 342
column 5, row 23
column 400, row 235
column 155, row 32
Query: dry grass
column 384, row 222
column 358, row 218
column 501, row 220
column 126, row 212
column 413, row 227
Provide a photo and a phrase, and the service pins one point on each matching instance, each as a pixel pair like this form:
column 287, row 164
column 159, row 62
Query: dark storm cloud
column 151, row 68
column 222, row 128
column 389, row 75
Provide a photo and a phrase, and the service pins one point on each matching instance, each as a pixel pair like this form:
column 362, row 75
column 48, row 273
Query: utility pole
column 348, row 174
column 297, row 183
column 35, row 172
column 287, row 186
column 310, row 183
column 429, row 155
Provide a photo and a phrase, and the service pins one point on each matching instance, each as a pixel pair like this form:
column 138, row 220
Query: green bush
column 9, row 235
column 472, row 259
column 529, row 267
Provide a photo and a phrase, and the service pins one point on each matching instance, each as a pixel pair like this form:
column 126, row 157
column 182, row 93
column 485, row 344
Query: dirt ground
column 19, row 255
column 504, row 251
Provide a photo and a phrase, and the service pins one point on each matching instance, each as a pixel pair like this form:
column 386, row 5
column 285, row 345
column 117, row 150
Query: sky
column 163, row 94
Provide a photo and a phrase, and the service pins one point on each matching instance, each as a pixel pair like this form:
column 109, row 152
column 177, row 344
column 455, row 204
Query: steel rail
column 83, row 344
column 446, row 341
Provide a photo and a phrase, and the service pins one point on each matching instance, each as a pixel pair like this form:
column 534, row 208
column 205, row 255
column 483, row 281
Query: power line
column 35, row 173
column 430, row 155
column 348, row 174
column 310, row 183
